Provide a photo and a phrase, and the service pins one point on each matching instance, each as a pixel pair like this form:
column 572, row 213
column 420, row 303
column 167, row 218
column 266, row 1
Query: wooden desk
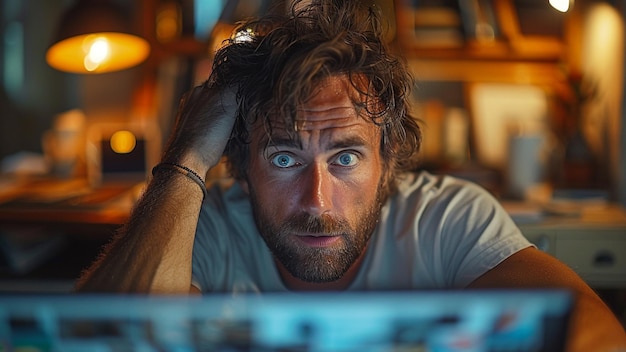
column 70, row 205
column 50, row 231
column 73, row 220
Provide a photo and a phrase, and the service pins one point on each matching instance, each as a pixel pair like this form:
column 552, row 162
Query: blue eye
column 283, row 160
column 347, row 159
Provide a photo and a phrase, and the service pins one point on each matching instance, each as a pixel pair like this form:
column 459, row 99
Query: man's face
column 317, row 199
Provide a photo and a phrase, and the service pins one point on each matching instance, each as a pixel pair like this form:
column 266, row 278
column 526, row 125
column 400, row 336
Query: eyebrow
column 350, row 141
column 286, row 142
column 273, row 141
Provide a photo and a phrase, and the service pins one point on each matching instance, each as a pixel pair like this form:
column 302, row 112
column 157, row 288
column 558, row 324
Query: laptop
column 520, row 320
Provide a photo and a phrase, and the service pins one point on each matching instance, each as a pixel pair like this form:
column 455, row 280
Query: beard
column 318, row 264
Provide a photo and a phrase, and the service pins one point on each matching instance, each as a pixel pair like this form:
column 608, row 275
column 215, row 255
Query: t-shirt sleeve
column 206, row 248
column 477, row 234
column 228, row 254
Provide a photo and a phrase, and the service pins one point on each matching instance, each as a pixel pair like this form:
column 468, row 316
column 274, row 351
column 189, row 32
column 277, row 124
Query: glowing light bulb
column 560, row 5
column 123, row 142
column 97, row 52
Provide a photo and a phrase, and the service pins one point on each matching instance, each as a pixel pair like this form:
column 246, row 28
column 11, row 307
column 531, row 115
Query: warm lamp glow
column 98, row 53
column 123, row 142
column 94, row 36
column 560, row 5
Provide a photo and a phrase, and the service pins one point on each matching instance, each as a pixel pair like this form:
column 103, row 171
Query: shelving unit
column 507, row 56
column 468, row 43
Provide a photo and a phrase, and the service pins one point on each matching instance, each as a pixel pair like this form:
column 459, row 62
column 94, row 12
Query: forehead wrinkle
column 336, row 98
column 335, row 104
column 321, row 119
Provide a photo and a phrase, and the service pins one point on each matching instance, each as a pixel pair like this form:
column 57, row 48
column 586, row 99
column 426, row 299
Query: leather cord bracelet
column 192, row 175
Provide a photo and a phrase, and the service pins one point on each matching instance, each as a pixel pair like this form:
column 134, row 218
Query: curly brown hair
column 276, row 61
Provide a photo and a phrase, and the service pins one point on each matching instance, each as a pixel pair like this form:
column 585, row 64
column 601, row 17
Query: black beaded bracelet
column 192, row 175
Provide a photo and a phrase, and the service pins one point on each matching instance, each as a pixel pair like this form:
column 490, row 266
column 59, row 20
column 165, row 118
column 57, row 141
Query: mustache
column 326, row 224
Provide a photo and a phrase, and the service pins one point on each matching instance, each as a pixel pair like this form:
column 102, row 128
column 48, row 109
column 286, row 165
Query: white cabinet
column 593, row 243
column 545, row 240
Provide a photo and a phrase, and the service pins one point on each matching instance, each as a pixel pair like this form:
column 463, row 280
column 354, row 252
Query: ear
column 244, row 185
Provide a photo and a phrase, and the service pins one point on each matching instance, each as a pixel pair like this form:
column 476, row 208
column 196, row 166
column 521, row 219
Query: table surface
column 67, row 202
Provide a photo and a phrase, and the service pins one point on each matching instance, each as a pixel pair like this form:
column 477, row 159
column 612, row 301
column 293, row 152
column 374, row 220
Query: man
column 311, row 111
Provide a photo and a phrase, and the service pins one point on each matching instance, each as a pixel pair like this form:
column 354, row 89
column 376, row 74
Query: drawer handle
column 604, row 258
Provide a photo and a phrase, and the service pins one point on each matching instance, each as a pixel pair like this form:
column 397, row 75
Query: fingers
column 204, row 123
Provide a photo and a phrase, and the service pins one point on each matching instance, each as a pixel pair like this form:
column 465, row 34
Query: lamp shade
column 94, row 37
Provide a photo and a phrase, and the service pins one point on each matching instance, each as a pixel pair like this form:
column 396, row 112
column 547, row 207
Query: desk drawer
column 596, row 259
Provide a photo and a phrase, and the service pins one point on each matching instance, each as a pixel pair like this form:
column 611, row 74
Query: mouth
column 318, row 240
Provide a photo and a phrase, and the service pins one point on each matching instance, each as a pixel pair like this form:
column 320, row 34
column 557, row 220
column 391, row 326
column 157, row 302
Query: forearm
column 152, row 253
column 594, row 328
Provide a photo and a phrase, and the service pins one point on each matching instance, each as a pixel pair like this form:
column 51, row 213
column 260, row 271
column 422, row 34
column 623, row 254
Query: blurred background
column 524, row 97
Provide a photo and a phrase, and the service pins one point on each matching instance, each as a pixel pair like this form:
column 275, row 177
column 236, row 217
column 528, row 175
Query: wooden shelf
column 540, row 73
column 508, row 57
column 185, row 46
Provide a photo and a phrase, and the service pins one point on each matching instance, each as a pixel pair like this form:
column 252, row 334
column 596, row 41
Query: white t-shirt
column 436, row 232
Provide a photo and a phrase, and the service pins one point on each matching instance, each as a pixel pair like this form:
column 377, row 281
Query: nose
column 316, row 196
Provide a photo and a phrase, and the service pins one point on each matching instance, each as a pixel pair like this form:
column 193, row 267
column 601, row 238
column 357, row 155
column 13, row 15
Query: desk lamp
column 94, row 37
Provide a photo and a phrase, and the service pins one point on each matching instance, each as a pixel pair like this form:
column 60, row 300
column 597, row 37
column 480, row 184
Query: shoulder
column 447, row 207
column 459, row 229
column 426, row 189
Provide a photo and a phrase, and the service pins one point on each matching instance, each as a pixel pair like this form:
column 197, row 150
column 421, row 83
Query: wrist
column 189, row 173
column 192, row 160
